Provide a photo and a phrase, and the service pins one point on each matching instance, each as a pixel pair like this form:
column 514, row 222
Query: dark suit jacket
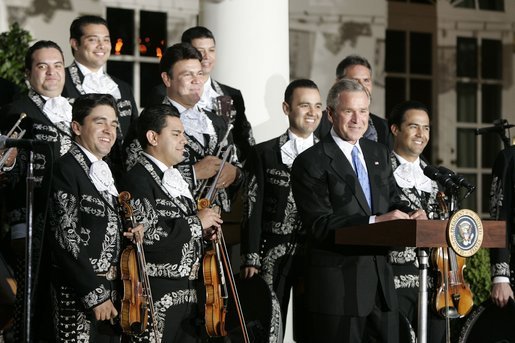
column 502, row 207
column 342, row 280
column 383, row 131
column 85, row 233
column 173, row 232
column 270, row 215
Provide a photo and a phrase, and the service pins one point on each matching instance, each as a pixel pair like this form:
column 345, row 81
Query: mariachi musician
column 85, row 234
column 502, row 260
column 44, row 115
column 181, row 73
column 271, row 233
column 410, row 127
column 174, row 229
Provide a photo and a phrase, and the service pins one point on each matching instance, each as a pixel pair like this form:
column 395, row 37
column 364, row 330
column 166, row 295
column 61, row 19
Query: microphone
column 499, row 126
column 6, row 142
column 445, row 180
column 459, row 180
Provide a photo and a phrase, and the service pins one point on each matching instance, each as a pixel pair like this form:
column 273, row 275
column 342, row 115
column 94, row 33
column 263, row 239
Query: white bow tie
column 292, row 148
column 102, row 178
column 197, row 124
column 58, row 109
column 95, row 83
column 409, row 175
column 175, row 184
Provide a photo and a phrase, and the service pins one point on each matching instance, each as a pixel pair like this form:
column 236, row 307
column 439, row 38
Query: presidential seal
column 465, row 232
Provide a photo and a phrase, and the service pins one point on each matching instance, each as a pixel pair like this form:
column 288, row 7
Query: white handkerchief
column 102, row 178
column 175, row 184
column 409, row 175
column 197, row 124
column 103, row 84
column 58, row 109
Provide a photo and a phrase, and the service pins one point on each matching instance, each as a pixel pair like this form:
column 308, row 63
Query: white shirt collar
column 158, row 163
column 85, row 70
column 402, row 160
column 178, row 106
column 347, row 147
column 92, row 158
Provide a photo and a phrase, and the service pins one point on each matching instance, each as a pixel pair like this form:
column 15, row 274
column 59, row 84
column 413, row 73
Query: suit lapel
column 342, row 167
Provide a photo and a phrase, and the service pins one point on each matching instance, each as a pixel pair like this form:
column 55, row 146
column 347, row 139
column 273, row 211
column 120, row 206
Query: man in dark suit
column 203, row 40
column 48, row 117
column 85, row 233
column 358, row 68
column 181, row 72
column 174, row 228
column 343, row 181
column 410, row 126
column 91, row 48
column 502, row 207
column 271, row 232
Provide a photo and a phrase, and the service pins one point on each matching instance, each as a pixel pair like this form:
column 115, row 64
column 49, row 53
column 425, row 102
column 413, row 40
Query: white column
column 253, row 56
column 4, row 25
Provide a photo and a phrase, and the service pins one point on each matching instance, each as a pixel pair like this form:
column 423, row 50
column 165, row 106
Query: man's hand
column 135, row 234
column 228, row 175
column 395, row 214
column 418, row 214
column 209, row 217
column 501, row 292
column 207, row 167
column 105, row 311
column 249, row 272
column 11, row 157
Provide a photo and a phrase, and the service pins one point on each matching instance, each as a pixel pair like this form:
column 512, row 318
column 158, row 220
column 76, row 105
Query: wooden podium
column 415, row 233
column 420, row 234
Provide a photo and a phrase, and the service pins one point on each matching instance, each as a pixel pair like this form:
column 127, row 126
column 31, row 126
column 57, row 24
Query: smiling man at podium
column 340, row 182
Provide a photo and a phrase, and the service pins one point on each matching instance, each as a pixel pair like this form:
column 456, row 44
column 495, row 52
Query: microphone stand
column 27, row 299
column 423, row 265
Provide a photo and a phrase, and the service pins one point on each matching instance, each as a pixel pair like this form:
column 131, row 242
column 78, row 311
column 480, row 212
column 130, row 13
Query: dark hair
column 78, row 24
column 85, row 103
column 196, row 32
column 41, row 44
column 300, row 83
column 175, row 53
column 348, row 61
column 153, row 118
column 397, row 114
column 343, row 85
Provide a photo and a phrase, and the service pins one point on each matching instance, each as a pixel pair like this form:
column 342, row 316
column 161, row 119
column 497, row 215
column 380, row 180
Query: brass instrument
column 13, row 134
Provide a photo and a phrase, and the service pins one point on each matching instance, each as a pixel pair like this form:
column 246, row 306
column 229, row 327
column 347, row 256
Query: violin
column 137, row 297
column 217, row 272
column 453, row 297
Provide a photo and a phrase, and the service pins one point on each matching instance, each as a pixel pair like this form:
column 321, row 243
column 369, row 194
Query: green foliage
column 477, row 274
column 13, row 46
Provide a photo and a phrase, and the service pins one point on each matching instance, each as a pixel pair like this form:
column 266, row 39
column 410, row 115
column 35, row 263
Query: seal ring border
column 451, row 232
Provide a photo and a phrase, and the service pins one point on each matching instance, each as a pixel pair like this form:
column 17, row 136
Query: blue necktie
column 362, row 175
